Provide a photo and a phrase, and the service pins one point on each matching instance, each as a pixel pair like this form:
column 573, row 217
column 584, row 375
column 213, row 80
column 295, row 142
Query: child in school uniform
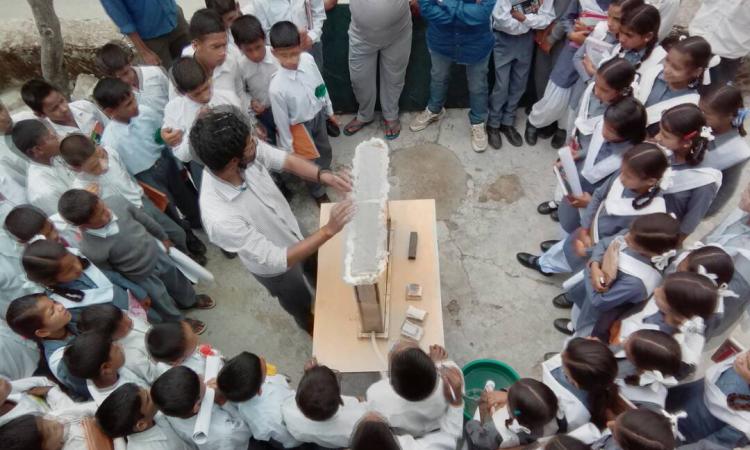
column 229, row 11
column 129, row 412
column 118, row 236
column 307, row 16
column 174, row 344
column 319, row 414
column 13, row 161
column 178, row 393
column 638, row 38
column 20, row 356
column 150, row 83
column 253, row 387
column 71, row 432
column 27, row 222
column 49, row 104
column 514, row 45
column 636, row 429
column 299, row 96
column 716, row 406
column 32, row 395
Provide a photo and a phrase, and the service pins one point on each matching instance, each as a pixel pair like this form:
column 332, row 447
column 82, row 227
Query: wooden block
column 413, row 245
column 368, row 300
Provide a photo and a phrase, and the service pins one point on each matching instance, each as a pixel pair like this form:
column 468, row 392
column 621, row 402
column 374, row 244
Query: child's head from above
column 241, row 377
column 93, row 355
column 643, row 167
column 209, row 38
column 685, row 295
column 32, row 138
column 712, row 259
column 228, row 10
column 624, row 121
column 652, row 350
column 107, row 319
column 191, row 80
column 723, row 109
column 639, row 28
column 171, row 342
column 373, row 432
column 49, row 263
column 590, row 365
column 26, row 221
column 613, row 80
column 565, row 442
column 249, row 36
column 6, row 122
column 115, row 60
column 531, row 403
column 47, row 101
column 412, row 372
column 683, row 130
column 686, row 61
column 653, row 234
column 127, row 410
column 319, row 394
column 36, row 316
column 81, row 154
column 178, row 392
column 643, row 429
column 84, row 209
column 116, row 98
column 285, row 42
column 32, row 432
column 223, row 141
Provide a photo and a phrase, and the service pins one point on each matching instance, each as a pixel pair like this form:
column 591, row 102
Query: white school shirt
column 153, row 87
column 13, row 281
column 159, row 437
column 451, row 428
column 332, row 433
column 20, row 356
column 293, row 100
column 49, row 183
column 725, row 24
column 262, row 413
column 12, row 193
column 137, row 359
column 115, row 181
column 503, row 21
column 270, row 12
column 13, row 160
column 88, row 117
column 101, row 394
column 136, row 141
column 227, row 75
column 225, row 431
column 257, row 76
column 253, row 220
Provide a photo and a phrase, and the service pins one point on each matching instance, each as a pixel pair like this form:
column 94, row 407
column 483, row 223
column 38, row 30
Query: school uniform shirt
column 226, row 76
column 254, row 219
column 297, row 96
column 13, row 281
column 15, row 163
column 661, row 91
column 90, row 120
column 115, row 181
column 690, row 206
column 137, row 359
column 24, row 404
column 225, row 431
column 50, row 182
column 723, row 23
column 443, row 439
column 136, row 141
column 257, row 76
column 153, row 87
column 332, row 433
column 20, row 356
column 306, row 14
column 726, row 150
column 262, row 413
column 159, row 437
column 125, row 377
column 503, row 21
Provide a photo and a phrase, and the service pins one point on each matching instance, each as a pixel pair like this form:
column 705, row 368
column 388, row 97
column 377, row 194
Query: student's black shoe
column 562, row 301
column 332, row 129
column 558, row 139
column 532, row 262
column 547, row 132
column 229, row 255
column 546, row 245
column 549, row 355
column 511, row 135
column 200, row 259
column 494, row 138
column 530, row 134
column 194, row 244
column 554, row 216
column 561, row 325
column 547, row 208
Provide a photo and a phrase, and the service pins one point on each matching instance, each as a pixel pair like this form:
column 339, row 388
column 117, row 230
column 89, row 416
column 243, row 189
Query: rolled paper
column 203, row 422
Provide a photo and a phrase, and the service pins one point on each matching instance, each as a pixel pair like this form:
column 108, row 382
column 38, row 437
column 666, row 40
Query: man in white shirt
column 307, row 15
column 244, row 212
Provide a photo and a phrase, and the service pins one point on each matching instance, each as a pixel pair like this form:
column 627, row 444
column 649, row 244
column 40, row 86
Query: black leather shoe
column 532, row 262
column 494, row 138
column 547, row 132
column 547, row 208
column 554, row 216
column 194, row 244
column 559, row 138
column 546, row 245
column 561, row 325
column 200, row 259
column 332, row 129
column 530, row 134
column 511, row 135
column 229, row 255
column 562, row 301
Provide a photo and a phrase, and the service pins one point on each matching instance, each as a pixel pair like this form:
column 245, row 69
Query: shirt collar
column 228, row 191
column 106, row 231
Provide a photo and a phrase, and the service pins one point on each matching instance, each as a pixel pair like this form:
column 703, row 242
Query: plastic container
column 477, row 373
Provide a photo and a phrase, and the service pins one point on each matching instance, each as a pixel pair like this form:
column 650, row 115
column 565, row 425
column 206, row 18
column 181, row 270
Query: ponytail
column 727, row 100
column 619, row 74
column 687, row 122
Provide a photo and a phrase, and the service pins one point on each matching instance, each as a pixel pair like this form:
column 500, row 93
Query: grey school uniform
column 690, row 206
column 583, row 77
column 544, row 62
column 596, row 108
column 730, row 178
column 661, row 92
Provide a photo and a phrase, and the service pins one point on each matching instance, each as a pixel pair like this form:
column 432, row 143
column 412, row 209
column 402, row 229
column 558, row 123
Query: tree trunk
column 51, row 40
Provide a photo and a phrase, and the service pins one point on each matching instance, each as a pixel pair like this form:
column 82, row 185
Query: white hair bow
column 707, row 132
column 517, row 427
column 696, row 325
column 711, row 276
column 652, row 377
column 673, row 421
column 667, row 180
column 662, row 261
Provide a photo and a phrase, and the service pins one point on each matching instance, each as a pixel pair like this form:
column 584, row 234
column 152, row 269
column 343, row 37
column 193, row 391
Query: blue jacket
column 459, row 29
column 149, row 18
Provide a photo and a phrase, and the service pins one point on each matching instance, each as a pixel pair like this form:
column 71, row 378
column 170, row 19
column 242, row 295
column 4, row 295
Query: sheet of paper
column 570, row 170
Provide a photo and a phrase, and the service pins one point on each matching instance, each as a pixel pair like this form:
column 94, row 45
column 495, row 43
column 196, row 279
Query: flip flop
column 392, row 129
column 203, row 301
column 354, row 126
column 199, row 327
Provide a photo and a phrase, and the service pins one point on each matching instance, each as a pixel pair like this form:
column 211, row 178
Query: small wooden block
column 413, row 245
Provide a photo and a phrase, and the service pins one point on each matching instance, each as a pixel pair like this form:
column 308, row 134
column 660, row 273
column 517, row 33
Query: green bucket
column 476, row 374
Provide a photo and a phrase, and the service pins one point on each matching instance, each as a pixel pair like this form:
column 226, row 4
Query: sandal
column 198, row 326
column 354, row 126
column 392, row 129
column 203, row 301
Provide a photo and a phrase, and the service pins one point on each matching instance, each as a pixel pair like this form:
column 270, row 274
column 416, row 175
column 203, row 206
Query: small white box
column 412, row 330
column 416, row 313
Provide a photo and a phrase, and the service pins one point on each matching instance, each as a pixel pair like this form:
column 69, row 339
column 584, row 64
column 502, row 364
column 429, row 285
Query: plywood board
column 335, row 340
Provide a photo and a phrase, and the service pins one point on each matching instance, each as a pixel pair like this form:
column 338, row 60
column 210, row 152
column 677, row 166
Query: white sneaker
column 425, row 118
column 478, row 138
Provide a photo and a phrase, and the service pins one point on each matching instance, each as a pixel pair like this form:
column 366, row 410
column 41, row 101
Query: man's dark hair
column 112, row 57
column 111, row 92
column 27, row 134
column 284, row 35
column 188, row 74
column 241, row 377
column 76, row 148
column 77, row 206
column 413, row 374
column 247, row 29
column 176, row 392
column 33, row 93
column 120, row 411
column 319, row 394
column 25, row 221
column 205, row 21
column 103, row 318
column 218, row 137
column 166, row 341
column 86, row 353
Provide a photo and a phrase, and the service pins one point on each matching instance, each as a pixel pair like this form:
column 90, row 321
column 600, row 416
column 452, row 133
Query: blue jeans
column 476, row 75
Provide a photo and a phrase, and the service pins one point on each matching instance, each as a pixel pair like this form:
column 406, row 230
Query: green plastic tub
column 476, row 374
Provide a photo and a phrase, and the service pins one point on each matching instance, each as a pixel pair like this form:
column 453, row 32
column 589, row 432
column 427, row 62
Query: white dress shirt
column 153, row 87
column 332, row 433
column 225, row 431
column 13, row 281
column 262, row 413
column 293, row 99
column 137, row 359
column 451, row 428
column 49, row 183
column 226, row 76
column 136, row 141
column 101, row 394
column 159, row 437
column 306, row 14
column 253, row 220
column 12, row 193
column 668, row 10
column 115, row 181
column 89, row 118
column 20, row 356
column 257, row 76
column 725, row 24
column 15, row 163
column 503, row 21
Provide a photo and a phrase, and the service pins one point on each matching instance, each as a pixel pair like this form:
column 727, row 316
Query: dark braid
column 738, row 402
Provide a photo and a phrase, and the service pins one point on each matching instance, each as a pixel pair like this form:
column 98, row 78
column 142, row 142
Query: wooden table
column 335, row 338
